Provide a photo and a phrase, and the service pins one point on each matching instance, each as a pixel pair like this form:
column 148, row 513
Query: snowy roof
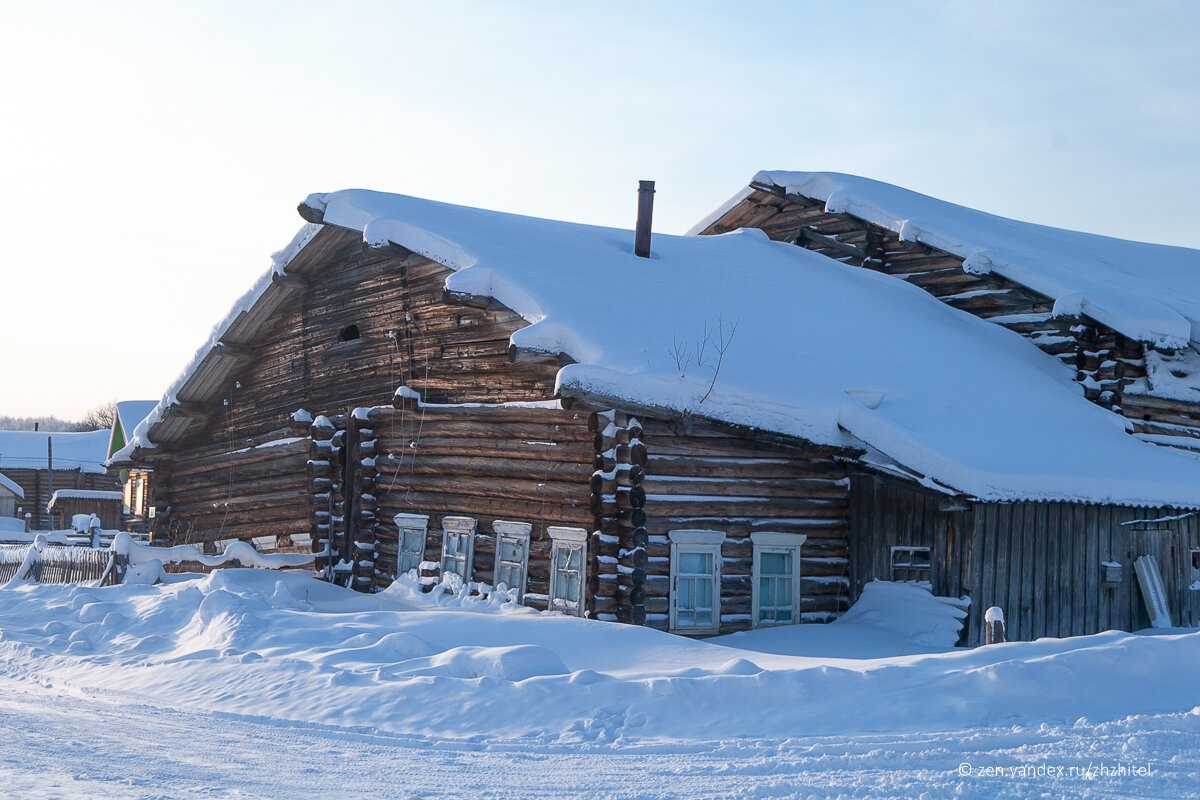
column 129, row 414
column 27, row 450
column 822, row 351
column 1149, row 292
column 10, row 485
column 82, row 494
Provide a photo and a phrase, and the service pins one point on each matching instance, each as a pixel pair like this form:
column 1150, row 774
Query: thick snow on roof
column 10, row 485
column 27, row 450
column 821, row 350
column 1149, row 292
column 129, row 414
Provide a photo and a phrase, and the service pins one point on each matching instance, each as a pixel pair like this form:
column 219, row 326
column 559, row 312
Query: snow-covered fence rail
column 46, row 563
column 12, row 556
column 43, row 562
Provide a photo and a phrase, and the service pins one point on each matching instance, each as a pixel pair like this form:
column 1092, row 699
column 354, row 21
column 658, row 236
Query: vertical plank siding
column 1039, row 562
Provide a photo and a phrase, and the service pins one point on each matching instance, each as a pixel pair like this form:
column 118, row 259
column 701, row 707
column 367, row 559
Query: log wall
column 364, row 323
column 1041, row 563
column 1110, row 367
column 711, row 477
column 489, row 463
column 258, row 487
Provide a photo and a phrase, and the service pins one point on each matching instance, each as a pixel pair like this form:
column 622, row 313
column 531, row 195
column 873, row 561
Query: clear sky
column 152, row 154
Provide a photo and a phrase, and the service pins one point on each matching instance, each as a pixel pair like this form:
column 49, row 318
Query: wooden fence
column 62, row 564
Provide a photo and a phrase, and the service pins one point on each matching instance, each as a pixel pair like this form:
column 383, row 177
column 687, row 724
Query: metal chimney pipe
column 641, row 238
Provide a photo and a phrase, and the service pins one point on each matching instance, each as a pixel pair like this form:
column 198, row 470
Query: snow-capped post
column 94, row 531
column 641, row 239
column 994, row 630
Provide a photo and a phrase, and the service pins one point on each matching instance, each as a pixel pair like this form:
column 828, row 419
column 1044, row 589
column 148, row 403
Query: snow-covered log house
column 732, row 432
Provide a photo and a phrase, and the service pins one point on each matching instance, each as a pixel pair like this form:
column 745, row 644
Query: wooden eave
column 222, row 362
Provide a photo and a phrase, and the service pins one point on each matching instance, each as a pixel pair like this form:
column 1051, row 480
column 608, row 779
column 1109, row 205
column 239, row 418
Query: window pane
column 684, row 591
column 576, row 558
column 510, row 550
column 561, row 555
column 704, row 594
column 775, row 563
column 704, row 618
column 766, row 593
column 414, row 541
column 784, row 615
column 695, row 563
column 783, row 592
column 573, row 591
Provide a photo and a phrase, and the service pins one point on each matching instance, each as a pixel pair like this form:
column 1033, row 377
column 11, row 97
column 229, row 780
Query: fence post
column 994, row 628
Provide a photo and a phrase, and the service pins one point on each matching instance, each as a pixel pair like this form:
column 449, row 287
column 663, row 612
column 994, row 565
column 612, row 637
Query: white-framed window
column 776, row 571
column 458, row 546
column 512, row 554
column 696, row 581
column 568, row 569
column 410, row 550
column 910, row 564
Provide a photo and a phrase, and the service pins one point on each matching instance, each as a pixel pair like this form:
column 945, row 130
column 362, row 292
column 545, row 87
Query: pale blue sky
column 152, row 154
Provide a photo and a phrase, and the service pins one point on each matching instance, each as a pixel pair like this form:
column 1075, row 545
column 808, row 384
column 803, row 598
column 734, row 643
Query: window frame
column 410, row 522
column 459, row 526
column 909, row 565
column 771, row 542
column 569, row 538
column 518, row 531
column 696, row 541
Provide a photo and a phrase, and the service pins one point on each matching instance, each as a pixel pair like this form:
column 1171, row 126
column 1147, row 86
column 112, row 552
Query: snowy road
column 59, row 745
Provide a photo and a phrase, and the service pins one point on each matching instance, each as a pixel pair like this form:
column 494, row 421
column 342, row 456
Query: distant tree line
column 99, row 418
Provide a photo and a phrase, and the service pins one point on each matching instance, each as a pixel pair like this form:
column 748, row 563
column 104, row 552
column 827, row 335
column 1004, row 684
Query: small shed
column 66, row 503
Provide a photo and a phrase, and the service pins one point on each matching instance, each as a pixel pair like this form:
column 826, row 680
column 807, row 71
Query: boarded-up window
column 910, row 564
column 512, row 554
column 568, row 557
column 411, row 530
column 458, row 546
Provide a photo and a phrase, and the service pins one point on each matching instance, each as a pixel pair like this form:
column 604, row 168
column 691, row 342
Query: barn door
column 1166, row 545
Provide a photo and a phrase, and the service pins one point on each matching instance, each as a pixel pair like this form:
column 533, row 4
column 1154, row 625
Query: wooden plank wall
column 489, row 463
column 1111, row 367
column 1039, row 562
column 1062, row 546
column 712, row 478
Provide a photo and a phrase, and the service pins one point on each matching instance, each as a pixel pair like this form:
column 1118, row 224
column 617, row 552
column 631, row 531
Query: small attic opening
column 349, row 334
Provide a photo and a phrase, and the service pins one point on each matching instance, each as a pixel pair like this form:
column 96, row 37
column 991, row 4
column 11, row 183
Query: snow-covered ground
column 250, row 683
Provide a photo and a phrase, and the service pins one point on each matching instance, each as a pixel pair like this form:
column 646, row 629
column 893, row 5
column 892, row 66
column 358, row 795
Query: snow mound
column 910, row 609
